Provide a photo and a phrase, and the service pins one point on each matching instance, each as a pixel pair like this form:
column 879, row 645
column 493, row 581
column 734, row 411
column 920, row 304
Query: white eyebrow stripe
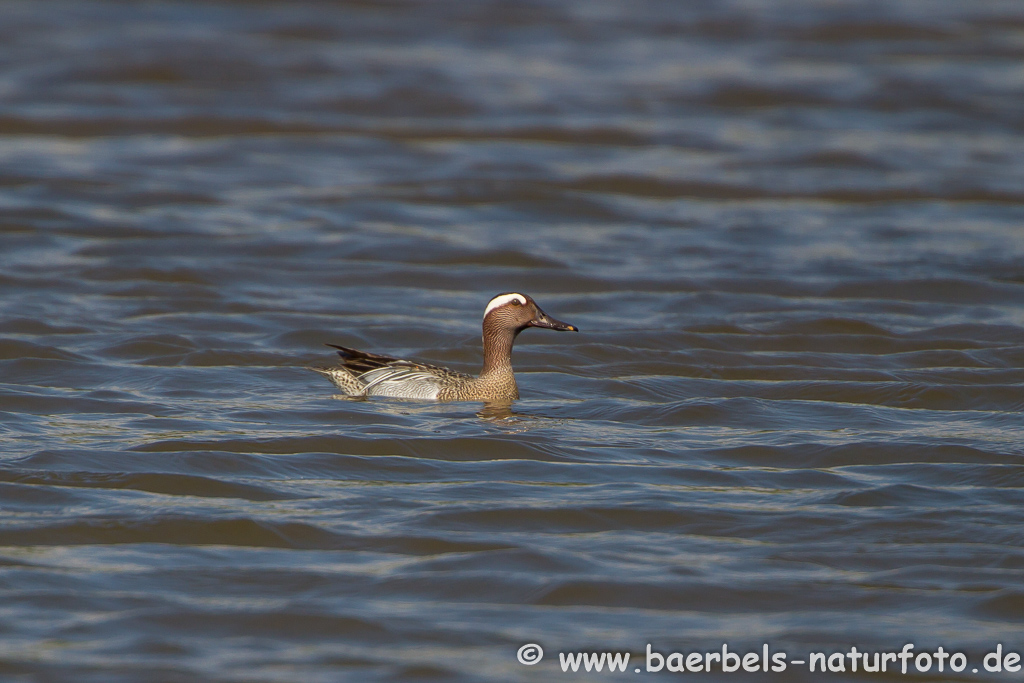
column 502, row 300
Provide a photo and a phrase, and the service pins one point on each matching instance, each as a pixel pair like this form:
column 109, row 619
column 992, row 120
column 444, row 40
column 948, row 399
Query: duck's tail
column 341, row 378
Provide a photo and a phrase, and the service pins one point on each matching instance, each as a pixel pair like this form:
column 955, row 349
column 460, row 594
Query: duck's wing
column 398, row 379
column 404, row 379
column 361, row 361
column 381, row 373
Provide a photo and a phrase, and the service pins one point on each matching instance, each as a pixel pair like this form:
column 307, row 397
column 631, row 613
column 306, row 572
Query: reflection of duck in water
column 369, row 374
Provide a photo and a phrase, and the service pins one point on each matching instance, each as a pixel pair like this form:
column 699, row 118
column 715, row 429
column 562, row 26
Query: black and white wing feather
column 387, row 376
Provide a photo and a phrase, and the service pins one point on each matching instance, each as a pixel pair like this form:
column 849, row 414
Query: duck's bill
column 547, row 322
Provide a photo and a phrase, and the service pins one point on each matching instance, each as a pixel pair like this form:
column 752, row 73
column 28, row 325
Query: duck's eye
column 516, row 302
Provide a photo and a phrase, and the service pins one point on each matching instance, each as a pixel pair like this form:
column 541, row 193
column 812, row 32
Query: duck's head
column 515, row 312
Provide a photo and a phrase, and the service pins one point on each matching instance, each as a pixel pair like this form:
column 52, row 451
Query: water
column 789, row 232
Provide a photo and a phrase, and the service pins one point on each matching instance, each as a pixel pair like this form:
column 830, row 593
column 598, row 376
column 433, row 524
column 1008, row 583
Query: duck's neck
column 498, row 343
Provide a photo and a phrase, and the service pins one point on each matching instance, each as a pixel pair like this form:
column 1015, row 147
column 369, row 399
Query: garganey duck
column 370, row 374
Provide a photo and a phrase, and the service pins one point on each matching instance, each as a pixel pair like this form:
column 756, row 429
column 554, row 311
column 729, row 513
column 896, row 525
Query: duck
column 506, row 315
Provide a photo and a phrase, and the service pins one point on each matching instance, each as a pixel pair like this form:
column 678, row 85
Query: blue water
column 790, row 236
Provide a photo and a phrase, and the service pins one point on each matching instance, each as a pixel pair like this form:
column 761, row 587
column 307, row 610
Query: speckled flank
column 506, row 315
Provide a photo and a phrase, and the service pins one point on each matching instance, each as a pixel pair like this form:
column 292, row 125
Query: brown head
column 515, row 312
column 506, row 316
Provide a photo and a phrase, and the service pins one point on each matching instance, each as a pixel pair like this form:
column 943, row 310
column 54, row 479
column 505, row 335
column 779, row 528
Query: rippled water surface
column 791, row 234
